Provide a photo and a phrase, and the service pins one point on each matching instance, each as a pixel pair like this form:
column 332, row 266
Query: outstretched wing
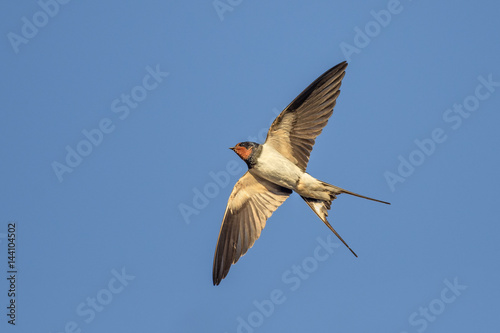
column 294, row 131
column 251, row 203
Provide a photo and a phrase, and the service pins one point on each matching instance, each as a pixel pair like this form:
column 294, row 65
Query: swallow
column 277, row 168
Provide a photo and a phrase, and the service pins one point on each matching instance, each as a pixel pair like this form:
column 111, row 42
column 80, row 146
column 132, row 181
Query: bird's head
column 245, row 150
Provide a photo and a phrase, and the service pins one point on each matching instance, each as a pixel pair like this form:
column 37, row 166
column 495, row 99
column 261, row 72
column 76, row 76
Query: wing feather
column 294, row 131
column 251, row 203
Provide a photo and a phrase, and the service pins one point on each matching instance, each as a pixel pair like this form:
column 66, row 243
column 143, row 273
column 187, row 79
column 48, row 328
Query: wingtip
column 216, row 280
column 217, row 276
column 343, row 64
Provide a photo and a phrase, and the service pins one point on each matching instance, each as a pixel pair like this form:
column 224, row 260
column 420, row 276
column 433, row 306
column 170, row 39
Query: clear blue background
column 120, row 208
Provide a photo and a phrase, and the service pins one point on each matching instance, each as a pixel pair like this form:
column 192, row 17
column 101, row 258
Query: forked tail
column 321, row 207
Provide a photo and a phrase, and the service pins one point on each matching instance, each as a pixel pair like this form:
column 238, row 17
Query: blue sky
column 116, row 119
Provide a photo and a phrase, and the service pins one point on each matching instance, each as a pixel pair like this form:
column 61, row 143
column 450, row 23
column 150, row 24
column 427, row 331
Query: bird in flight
column 277, row 168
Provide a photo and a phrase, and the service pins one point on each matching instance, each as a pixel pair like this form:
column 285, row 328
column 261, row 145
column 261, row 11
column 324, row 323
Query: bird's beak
column 232, row 148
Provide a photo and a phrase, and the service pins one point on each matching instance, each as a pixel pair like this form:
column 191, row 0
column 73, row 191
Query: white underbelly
column 276, row 168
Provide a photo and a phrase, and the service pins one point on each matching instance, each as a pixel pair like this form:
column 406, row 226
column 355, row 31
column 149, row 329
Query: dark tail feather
column 362, row 196
column 320, row 208
column 337, row 190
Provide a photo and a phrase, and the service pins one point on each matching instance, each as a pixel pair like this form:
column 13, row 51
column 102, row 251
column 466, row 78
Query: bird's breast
column 276, row 168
